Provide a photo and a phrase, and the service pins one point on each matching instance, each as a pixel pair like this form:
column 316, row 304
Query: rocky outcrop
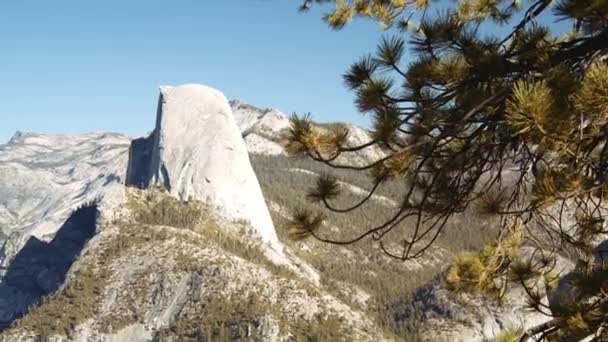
column 53, row 191
column 44, row 178
column 150, row 282
column 198, row 153
column 40, row 267
column 357, row 136
column 261, row 129
column 269, row 123
column 257, row 144
column 464, row 317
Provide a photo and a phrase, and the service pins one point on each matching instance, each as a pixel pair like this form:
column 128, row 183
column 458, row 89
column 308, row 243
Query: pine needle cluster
column 478, row 272
column 514, row 122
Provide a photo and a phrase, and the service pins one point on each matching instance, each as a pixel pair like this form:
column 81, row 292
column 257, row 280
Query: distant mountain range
column 117, row 262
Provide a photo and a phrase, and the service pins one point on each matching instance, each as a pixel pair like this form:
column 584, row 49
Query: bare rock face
column 265, row 122
column 198, row 153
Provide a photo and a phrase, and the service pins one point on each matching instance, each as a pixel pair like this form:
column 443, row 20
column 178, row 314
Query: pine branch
column 355, row 206
column 532, row 13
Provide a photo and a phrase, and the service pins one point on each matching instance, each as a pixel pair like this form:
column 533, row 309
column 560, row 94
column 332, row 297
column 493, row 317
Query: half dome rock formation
column 197, row 153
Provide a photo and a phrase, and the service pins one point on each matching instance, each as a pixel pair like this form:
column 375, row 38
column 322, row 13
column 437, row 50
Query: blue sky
column 73, row 66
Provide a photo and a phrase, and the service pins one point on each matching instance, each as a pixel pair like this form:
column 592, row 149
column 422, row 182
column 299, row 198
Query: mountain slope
column 262, row 131
column 43, row 178
column 360, row 274
column 51, row 182
column 266, row 122
column 92, row 259
column 147, row 276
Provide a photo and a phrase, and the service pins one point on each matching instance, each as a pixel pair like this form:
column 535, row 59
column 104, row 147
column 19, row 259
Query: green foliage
column 360, row 265
column 304, row 135
column 529, row 108
column 157, row 208
column 591, row 99
column 476, row 271
column 327, row 188
column 469, row 273
column 384, row 11
column 59, row 314
column 521, row 113
column 509, row 335
column 304, row 224
column 163, row 210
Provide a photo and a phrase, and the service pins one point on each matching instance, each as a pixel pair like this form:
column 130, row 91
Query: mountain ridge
column 89, row 172
column 356, row 280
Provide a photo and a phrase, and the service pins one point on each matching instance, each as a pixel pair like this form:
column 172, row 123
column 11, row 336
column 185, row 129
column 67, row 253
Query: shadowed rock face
column 40, row 267
column 138, row 171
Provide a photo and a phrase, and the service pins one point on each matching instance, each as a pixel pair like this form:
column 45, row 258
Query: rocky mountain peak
column 198, row 153
column 268, row 122
column 75, row 231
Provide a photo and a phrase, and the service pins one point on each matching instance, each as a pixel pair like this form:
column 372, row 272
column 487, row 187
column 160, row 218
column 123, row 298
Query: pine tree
column 515, row 123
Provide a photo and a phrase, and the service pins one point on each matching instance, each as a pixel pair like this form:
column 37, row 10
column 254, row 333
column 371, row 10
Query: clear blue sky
column 74, row 65
column 71, row 66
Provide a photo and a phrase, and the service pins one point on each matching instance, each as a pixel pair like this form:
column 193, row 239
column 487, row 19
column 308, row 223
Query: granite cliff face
column 198, row 154
column 86, row 219
column 48, row 185
column 44, row 178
